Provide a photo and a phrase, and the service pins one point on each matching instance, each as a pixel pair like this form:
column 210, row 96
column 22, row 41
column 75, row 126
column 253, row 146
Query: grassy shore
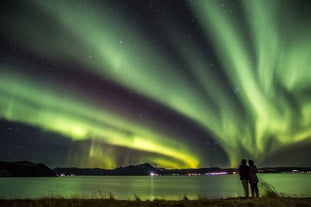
column 229, row 202
column 269, row 198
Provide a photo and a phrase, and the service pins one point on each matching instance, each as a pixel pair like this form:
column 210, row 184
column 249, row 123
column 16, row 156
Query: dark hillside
column 24, row 169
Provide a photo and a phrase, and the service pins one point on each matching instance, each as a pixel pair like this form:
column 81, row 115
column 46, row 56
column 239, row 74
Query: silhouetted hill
column 81, row 171
column 142, row 169
column 285, row 169
column 147, row 169
column 24, row 169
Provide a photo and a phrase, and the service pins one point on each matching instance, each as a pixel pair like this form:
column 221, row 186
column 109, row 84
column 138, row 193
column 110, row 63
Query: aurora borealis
column 174, row 83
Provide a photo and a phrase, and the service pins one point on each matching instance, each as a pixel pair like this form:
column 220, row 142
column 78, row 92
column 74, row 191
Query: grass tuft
column 185, row 198
column 268, row 190
column 137, row 198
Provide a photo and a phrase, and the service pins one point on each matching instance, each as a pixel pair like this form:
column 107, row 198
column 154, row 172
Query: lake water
column 148, row 187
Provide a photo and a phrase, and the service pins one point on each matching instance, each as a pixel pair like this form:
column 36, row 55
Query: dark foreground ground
column 230, row 202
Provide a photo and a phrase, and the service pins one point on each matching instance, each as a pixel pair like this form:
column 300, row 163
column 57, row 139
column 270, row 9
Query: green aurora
column 260, row 102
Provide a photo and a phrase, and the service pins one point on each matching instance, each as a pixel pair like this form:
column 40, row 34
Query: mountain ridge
column 30, row 169
column 148, row 169
column 25, row 169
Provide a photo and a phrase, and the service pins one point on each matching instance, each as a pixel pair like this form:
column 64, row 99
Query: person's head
column 250, row 162
column 243, row 162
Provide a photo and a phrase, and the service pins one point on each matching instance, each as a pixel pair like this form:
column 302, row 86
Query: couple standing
column 248, row 175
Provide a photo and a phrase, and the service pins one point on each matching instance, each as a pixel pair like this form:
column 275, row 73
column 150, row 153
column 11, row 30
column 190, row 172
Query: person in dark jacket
column 244, row 176
column 253, row 179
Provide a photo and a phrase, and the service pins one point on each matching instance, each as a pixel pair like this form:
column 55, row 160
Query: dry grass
column 230, row 202
column 111, row 202
column 270, row 198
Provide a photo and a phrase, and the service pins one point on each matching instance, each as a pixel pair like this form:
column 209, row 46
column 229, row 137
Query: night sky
column 174, row 83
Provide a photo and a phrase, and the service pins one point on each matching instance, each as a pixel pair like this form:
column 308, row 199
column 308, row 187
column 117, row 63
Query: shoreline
column 109, row 202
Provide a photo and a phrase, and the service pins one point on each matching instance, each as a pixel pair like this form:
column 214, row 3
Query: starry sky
column 176, row 83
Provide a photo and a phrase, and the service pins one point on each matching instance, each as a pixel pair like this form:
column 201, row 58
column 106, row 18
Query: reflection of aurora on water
column 171, row 84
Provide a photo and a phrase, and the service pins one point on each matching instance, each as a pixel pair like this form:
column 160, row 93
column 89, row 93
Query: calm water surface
column 147, row 187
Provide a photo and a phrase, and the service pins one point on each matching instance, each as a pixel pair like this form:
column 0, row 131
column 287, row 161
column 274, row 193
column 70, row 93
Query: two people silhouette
column 248, row 176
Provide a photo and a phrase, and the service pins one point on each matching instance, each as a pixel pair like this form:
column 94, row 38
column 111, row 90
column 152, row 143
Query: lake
column 148, row 187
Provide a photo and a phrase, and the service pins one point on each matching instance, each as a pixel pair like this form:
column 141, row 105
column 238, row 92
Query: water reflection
column 148, row 187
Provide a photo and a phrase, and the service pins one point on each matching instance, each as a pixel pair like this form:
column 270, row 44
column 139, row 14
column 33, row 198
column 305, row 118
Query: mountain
column 141, row 169
column 29, row 169
column 81, row 171
column 24, row 169
column 147, row 169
